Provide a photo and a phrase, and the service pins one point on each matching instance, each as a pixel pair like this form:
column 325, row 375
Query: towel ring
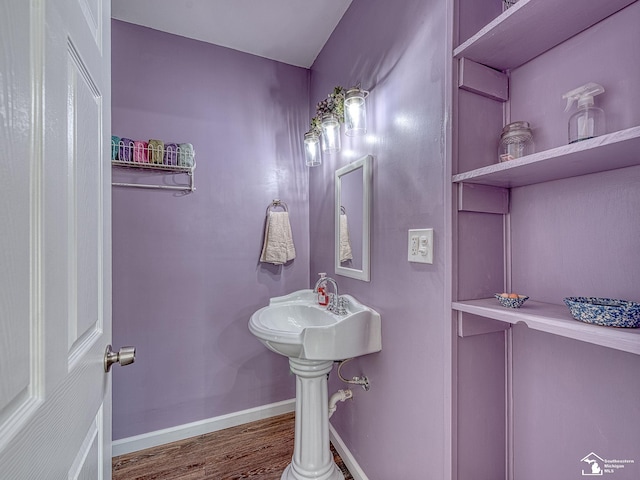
column 277, row 203
column 343, row 210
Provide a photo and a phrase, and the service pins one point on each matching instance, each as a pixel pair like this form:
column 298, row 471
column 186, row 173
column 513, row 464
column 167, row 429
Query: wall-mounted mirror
column 353, row 218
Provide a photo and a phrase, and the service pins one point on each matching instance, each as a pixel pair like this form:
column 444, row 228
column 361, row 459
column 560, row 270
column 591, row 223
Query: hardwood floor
column 259, row 450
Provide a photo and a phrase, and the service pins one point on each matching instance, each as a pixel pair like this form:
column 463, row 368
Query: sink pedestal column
column 312, row 459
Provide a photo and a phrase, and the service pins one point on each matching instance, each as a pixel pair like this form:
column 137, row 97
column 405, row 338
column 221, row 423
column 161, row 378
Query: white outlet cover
column 421, row 255
column 413, row 246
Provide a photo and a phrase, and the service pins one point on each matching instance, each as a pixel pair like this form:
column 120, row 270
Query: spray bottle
column 588, row 121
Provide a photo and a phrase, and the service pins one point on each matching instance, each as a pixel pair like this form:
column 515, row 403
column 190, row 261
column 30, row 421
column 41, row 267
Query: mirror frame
column 366, row 163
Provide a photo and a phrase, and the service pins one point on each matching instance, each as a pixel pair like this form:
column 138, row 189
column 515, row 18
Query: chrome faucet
column 337, row 304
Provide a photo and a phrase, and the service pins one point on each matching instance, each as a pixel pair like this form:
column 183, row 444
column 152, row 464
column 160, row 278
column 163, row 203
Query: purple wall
column 397, row 429
column 573, row 398
column 186, row 276
column 606, row 54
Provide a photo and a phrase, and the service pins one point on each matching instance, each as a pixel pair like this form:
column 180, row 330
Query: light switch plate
column 423, row 239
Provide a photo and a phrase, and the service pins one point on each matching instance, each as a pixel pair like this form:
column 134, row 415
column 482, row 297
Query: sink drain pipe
column 339, row 396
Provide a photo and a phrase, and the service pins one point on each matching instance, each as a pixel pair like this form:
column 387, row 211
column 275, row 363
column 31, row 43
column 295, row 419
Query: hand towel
column 185, row 155
column 345, row 243
column 115, row 142
column 156, row 151
column 278, row 245
column 140, row 152
column 125, row 149
column 170, row 154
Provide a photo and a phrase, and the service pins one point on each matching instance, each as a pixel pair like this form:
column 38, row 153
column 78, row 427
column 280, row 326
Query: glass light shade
column 330, row 134
column 355, row 112
column 312, row 155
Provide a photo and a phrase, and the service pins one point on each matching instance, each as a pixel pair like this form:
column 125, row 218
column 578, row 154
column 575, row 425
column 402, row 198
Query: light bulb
column 355, row 112
column 330, row 134
column 312, row 155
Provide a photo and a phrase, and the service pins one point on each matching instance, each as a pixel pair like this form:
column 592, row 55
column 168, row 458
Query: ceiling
column 289, row 31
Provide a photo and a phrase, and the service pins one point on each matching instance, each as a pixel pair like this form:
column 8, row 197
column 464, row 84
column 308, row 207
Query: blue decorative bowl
column 511, row 302
column 604, row 311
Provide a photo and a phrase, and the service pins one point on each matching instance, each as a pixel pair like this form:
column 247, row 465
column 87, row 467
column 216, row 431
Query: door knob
column 124, row 356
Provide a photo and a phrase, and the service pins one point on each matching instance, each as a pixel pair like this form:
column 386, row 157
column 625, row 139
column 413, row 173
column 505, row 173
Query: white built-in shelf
column 606, row 152
column 532, row 27
column 554, row 319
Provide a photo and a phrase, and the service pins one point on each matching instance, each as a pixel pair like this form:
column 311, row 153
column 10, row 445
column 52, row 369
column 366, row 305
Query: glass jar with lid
column 516, row 141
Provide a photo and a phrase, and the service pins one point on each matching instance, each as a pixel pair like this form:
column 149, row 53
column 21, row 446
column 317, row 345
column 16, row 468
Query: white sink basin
column 297, row 327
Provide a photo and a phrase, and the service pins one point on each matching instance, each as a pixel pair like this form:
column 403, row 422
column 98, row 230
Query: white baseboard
column 180, row 432
column 350, row 462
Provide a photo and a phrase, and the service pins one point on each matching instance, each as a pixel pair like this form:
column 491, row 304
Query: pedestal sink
column 313, row 338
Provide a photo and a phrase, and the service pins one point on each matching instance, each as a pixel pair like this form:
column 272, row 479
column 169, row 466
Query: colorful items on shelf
column 125, row 149
column 185, row 155
column 154, row 152
column 140, row 151
column 170, row 154
column 609, row 312
column 511, row 300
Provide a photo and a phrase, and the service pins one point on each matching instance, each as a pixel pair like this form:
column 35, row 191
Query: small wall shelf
column 532, row 27
column 155, row 157
column 599, row 154
column 160, row 169
column 554, row 319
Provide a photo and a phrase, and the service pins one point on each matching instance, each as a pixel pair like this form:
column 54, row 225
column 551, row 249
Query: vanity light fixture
column 355, row 112
column 339, row 106
column 330, row 133
column 312, row 154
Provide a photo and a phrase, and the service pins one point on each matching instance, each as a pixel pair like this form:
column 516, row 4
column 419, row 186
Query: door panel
column 84, row 136
column 86, row 465
column 92, row 10
column 55, row 280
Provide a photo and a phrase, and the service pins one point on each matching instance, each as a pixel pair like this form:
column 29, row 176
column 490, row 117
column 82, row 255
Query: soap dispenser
column 589, row 120
column 323, row 298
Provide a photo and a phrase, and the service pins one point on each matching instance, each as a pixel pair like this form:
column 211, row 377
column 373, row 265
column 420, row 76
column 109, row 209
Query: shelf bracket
column 470, row 325
column 476, row 78
column 482, row 198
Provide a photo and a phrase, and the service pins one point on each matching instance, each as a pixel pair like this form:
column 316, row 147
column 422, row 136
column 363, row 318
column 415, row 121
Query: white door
column 55, row 239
